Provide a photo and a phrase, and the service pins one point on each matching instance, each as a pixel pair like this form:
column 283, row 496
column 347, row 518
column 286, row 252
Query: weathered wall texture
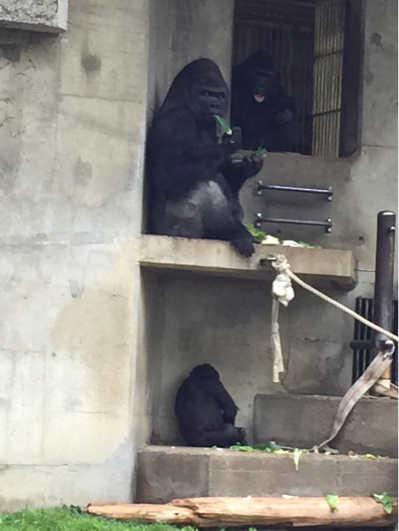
column 72, row 115
column 88, row 366
column 227, row 323
column 46, row 15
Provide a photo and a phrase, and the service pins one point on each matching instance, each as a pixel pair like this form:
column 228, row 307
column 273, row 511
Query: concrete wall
column 47, row 15
column 72, row 114
column 227, row 323
column 90, row 366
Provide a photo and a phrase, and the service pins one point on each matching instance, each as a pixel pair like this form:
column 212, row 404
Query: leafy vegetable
column 332, row 500
column 222, row 127
column 386, row 500
column 256, row 233
column 261, row 152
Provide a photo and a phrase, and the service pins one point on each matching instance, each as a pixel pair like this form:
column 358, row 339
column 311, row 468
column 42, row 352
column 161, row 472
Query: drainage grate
column 362, row 358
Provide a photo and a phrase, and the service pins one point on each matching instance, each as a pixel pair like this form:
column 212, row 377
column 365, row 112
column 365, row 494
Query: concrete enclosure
column 92, row 347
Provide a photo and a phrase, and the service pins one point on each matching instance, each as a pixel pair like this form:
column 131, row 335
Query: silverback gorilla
column 205, row 410
column 260, row 107
column 193, row 183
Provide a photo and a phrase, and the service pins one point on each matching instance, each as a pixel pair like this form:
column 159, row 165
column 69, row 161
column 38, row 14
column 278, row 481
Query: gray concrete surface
column 92, row 349
column 303, row 421
column 326, row 267
column 73, row 115
column 46, row 15
column 165, row 473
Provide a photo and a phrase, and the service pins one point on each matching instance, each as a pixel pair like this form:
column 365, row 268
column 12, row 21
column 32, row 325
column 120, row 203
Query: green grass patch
column 68, row 519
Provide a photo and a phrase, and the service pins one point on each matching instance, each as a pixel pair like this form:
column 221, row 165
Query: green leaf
column 386, row 500
column 261, row 152
column 332, row 500
column 256, row 233
column 222, row 127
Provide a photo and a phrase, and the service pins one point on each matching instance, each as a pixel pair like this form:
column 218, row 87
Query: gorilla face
column 262, row 84
column 260, row 76
column 207, row 100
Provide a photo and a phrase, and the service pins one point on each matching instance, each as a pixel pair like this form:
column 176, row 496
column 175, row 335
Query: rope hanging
column 282, row 293
column 281, row 265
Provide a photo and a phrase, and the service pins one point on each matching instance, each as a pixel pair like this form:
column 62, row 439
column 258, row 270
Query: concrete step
column 167, row 472
column 302, row 421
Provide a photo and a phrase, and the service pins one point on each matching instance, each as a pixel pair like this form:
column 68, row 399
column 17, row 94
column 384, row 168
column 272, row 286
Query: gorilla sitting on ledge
column 260, row 107
column 205, row 410
column 193, row 183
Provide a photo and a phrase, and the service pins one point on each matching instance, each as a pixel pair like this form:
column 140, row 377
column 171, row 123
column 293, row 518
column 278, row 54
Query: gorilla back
column 193, row 184
column 205, row 410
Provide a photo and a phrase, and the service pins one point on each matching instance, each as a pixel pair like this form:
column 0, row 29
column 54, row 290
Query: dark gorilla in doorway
column 193, row 182
column 205, row 410
column 260, row 107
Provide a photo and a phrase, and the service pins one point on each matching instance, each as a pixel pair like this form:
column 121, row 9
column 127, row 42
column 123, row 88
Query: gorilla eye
column 205, row 93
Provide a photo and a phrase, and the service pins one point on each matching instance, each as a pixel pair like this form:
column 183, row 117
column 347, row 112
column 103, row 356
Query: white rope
column 281, row 265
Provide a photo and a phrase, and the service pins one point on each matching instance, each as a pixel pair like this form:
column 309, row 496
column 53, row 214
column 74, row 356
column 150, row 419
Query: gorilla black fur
column 193, row 183
column 260, row 107
column 205, row 410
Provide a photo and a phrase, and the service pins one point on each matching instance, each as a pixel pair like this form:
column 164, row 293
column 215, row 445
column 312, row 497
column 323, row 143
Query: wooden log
column 146, row 512
column 296, row 511
column 231, row 511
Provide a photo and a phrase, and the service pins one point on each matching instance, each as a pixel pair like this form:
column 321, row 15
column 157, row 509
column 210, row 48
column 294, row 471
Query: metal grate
column 328, row 70
column 308, row 40
column 285, row 29
column 362, row 358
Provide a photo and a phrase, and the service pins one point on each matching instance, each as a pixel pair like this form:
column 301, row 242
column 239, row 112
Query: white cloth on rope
column 282, row 293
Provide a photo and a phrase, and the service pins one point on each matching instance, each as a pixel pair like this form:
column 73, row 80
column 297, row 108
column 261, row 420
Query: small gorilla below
column 260, row 107
column 205, row 410
column 193, row 182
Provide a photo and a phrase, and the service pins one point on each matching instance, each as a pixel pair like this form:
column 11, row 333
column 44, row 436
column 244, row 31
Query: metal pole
column 383, row 287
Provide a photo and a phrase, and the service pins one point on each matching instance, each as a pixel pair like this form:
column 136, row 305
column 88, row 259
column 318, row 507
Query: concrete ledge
column 327, row 267
column 303, row 421
column 165, row 472
column 45, row 16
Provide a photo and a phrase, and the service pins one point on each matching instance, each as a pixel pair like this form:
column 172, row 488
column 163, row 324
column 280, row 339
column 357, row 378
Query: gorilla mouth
column 259, row 97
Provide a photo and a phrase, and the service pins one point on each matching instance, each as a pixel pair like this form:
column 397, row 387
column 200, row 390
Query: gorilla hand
column 283, row 117
column 242, row 439
column 243, row 242
column 233, row 142
column 251, row 165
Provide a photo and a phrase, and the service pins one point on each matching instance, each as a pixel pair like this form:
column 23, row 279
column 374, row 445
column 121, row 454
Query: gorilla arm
column 224, row 400
column 237, row 173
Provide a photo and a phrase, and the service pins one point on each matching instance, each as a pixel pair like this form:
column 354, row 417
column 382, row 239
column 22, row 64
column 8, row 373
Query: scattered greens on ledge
column 386, row 500
column 267, row 239
column 333, row 501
